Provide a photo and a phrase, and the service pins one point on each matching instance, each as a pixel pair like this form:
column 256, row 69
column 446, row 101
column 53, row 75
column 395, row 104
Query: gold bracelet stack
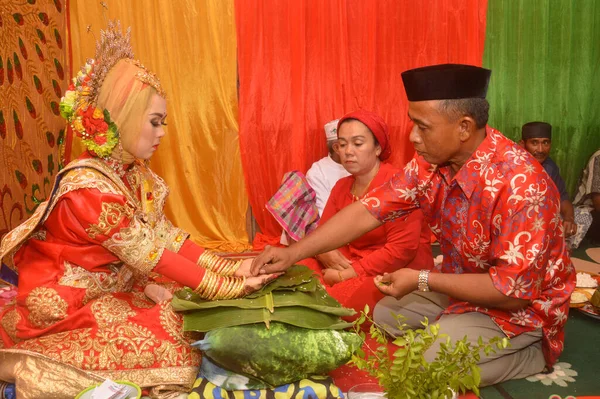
column 219, row 265
column 214, row 286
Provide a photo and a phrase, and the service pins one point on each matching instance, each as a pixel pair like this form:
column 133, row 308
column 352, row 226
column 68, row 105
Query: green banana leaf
column 213, row 318
column 317, row 300
column 296, row 278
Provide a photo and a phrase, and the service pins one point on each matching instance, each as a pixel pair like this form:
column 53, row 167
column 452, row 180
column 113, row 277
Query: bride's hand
column 256, row 283
column 244, row 269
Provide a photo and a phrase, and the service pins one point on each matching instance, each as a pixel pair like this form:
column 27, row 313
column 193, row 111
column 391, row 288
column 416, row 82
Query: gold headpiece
column 78, row 106
column 112, row 47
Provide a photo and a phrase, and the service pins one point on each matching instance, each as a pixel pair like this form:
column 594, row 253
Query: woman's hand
column 569, row 227
column 334, row 260
column 333, row 276
column 256, row 283
column 245, row 268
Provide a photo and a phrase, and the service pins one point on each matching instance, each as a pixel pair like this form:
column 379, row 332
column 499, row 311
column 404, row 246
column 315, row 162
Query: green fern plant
column 405, row 374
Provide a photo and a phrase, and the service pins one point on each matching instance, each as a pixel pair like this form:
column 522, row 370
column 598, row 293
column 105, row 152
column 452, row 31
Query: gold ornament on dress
column 46, row 307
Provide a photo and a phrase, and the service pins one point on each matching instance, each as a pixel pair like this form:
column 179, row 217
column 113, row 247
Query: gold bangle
column 227, row 267
column 231, row 268
column 340, row 275
column 214, row 287
column 201, row 259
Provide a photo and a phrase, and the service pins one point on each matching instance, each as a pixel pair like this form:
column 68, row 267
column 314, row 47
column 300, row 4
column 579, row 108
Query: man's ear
column 522, row 143
column 336, row 147
column 467, row 127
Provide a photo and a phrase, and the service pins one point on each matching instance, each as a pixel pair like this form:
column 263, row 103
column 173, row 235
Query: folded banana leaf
column 213, row 318
column 317, row 300
column 296, row 278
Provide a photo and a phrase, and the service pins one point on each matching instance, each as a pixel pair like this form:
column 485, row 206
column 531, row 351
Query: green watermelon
column 281, row 354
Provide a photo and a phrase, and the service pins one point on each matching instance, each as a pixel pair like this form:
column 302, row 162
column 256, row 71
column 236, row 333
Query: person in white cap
column 324, row 173
column 321, row 177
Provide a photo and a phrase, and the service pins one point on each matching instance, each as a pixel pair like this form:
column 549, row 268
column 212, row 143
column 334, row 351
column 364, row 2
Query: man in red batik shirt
column 506, row 269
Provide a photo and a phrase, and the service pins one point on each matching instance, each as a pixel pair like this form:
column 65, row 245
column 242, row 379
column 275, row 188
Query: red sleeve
column 180, row 269
column 191, row 251
column 398, row 196
column 402, row 244
column 332, row 207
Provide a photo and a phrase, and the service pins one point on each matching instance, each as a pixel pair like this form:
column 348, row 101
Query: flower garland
column 93, row 125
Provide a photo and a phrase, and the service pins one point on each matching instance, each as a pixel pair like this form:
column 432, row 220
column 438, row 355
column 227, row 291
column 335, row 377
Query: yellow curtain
column 191, row 46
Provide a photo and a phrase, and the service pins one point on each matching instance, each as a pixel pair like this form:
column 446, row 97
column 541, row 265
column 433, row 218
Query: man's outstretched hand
column 272, row 260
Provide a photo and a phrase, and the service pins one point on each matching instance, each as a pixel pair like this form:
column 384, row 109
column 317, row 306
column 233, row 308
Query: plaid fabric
column 294, row 205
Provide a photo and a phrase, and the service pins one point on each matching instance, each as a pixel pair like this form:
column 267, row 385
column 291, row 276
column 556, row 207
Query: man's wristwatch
column 423, row 285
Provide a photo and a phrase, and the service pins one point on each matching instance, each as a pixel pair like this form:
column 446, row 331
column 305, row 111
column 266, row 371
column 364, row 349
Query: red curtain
column 303, row 63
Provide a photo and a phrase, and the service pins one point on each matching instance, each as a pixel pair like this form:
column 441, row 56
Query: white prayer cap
column 331, row 130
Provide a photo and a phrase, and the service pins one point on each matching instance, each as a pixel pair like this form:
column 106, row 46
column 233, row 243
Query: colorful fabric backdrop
column 303, row 63
column 300, row 64
column 33, row 75
column 191, row 46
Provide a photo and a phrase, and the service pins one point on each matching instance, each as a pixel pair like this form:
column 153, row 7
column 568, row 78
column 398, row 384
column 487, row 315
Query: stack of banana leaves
column 296, row 298
column 289, row 330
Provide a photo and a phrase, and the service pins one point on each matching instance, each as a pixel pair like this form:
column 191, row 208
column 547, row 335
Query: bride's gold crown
column 78, row 106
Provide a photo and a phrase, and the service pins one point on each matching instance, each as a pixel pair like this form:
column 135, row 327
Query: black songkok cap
column 536, row 130
column 446, row 82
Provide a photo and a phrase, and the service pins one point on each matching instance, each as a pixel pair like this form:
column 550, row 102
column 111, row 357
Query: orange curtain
column 303, row 63
column 191, row 46
column 34, row 73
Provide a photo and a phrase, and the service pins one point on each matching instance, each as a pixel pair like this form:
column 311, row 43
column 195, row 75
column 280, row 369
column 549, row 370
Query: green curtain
column 545, row 62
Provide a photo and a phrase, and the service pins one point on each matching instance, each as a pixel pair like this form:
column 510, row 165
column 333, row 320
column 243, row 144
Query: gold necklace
column 354, row 196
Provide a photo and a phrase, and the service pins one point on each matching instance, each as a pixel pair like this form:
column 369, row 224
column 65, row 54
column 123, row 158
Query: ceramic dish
column 589, row 310
column 578, row 295
column 133, row 390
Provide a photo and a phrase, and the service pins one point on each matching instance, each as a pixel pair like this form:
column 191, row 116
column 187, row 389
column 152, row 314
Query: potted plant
column 405, row 374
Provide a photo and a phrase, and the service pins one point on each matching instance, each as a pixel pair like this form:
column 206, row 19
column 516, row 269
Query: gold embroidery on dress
column 109, row 310
column 45, row 306
column 136, row 246
column 111, row 215
column 134, row 179
column 9, row 323
column 106, row 349
column 95, row 173
column 172, row 322
column 151, row 377
column 138, row 340
column 71, row 347
column 13, row 240
column 140, row 300
column 125, row 279
column 169, row 236
column 96, row 284
column 83, row 173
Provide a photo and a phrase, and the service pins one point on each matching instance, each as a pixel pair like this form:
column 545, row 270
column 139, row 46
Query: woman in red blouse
column 363, row 146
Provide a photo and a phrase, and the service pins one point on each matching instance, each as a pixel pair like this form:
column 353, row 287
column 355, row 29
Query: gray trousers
column 523, row 358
